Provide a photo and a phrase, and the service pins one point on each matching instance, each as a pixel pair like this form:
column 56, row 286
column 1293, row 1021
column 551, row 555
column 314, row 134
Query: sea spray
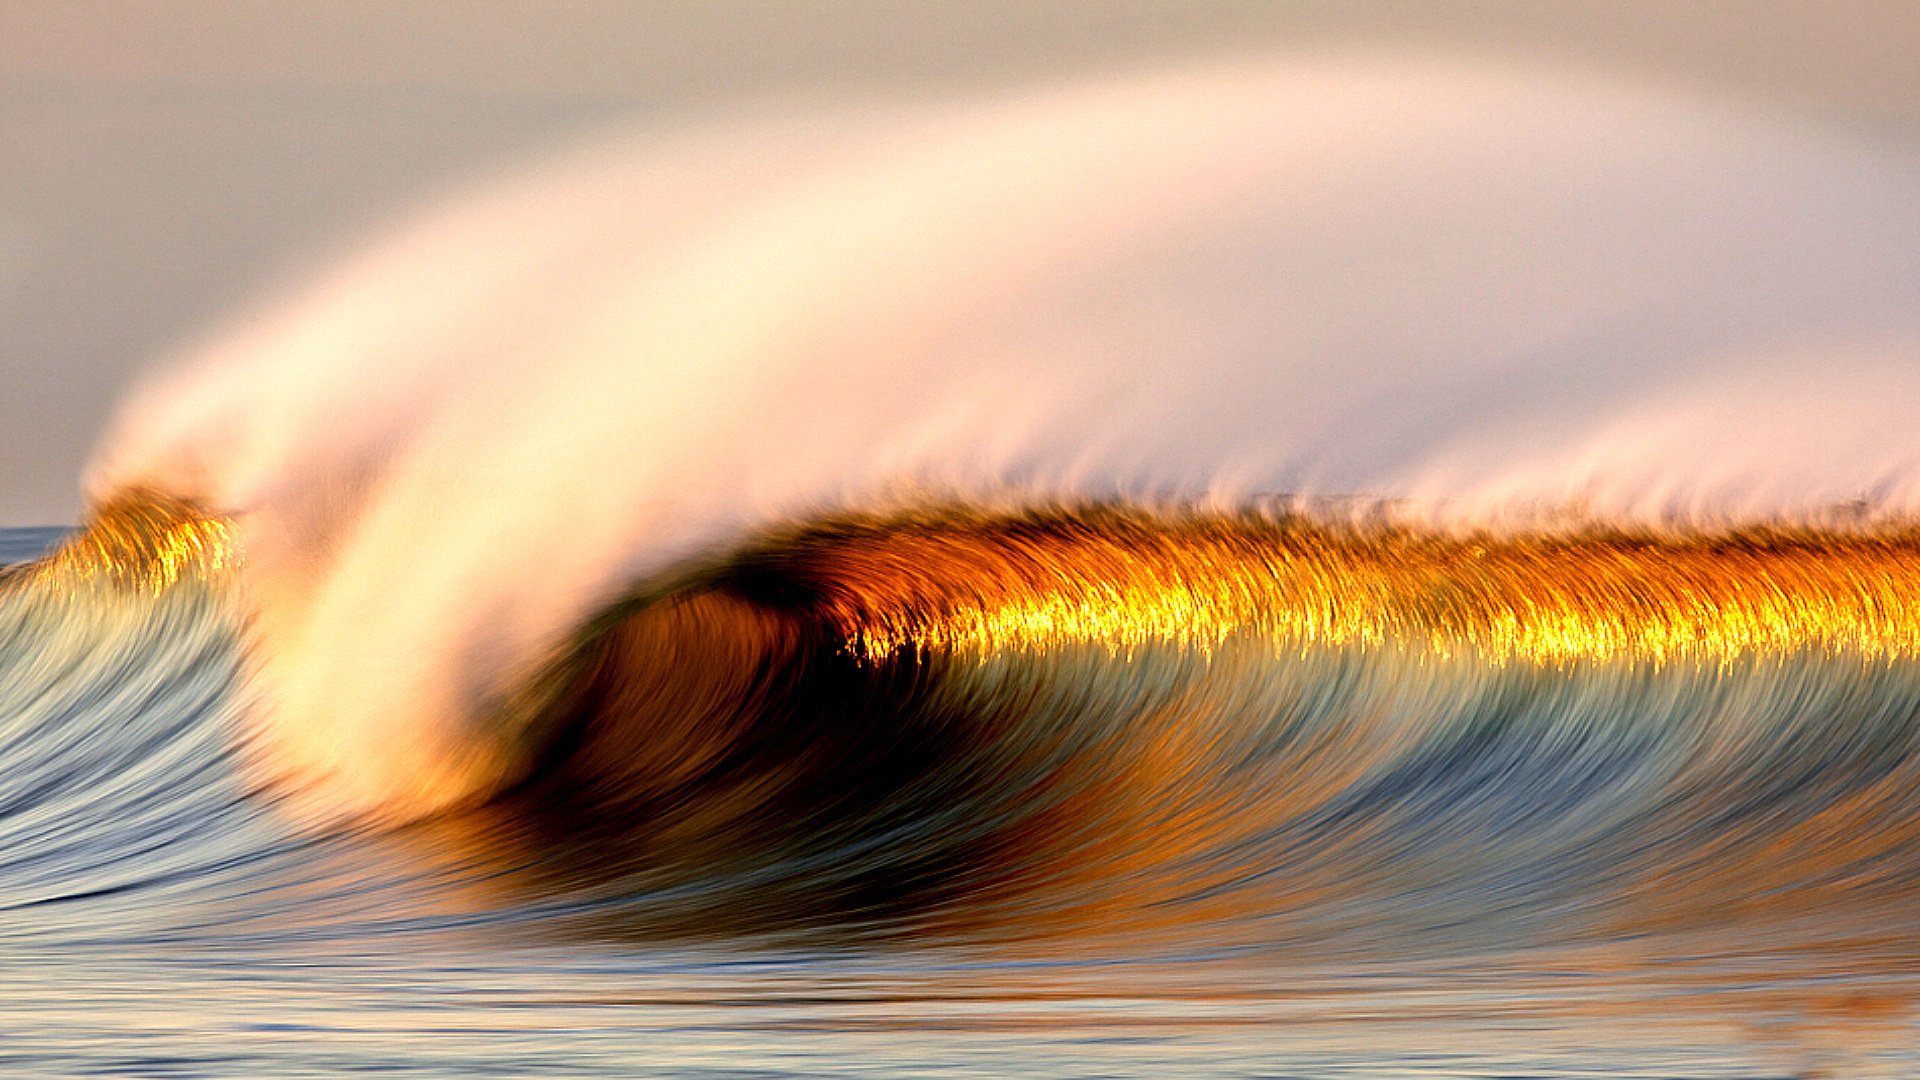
column 1461, row 296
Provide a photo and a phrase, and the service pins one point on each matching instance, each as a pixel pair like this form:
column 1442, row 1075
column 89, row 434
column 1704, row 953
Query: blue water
column 20, row 545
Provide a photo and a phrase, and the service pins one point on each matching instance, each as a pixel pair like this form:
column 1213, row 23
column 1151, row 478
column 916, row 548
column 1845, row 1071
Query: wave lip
column 140, row 541
column 1121, row 580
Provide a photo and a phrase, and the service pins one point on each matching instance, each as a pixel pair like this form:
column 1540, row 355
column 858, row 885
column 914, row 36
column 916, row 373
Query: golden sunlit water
column 1593, row 595
column 142, row 542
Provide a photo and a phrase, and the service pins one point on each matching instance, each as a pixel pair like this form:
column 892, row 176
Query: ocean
column 1374, row 566
column 1320, row 863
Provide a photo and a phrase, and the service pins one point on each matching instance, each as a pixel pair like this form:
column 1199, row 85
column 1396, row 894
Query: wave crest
column 1471, row 294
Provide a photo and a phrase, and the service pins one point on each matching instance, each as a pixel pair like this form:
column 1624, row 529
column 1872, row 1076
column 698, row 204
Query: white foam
column 1480, row 291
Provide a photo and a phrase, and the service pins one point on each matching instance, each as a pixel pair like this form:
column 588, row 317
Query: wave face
column 1129, row 728
column 1465, row 297
column 1095, row 731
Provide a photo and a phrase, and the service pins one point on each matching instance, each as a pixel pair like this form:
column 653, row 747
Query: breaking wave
column 1159, row 731
column 1356, row 504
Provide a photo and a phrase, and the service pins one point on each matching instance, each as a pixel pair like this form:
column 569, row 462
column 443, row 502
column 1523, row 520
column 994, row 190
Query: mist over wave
column 1465, row 296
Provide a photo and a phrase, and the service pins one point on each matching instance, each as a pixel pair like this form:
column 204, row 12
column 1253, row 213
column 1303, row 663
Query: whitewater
column 1339, row 565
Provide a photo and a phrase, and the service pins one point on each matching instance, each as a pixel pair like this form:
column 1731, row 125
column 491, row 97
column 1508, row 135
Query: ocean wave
column 1459, row 295
column 939, row 524
column 1127, row 730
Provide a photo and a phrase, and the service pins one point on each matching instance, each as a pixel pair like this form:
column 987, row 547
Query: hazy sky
column 160, row 163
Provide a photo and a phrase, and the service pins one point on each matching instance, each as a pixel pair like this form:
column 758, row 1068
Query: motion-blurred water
column 1494, row 911
column 1366, row 566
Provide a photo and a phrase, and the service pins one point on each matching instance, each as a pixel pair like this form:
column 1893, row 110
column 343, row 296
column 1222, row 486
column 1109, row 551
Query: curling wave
column 1249, row 729
column 1474, row 297
column 938, row 522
